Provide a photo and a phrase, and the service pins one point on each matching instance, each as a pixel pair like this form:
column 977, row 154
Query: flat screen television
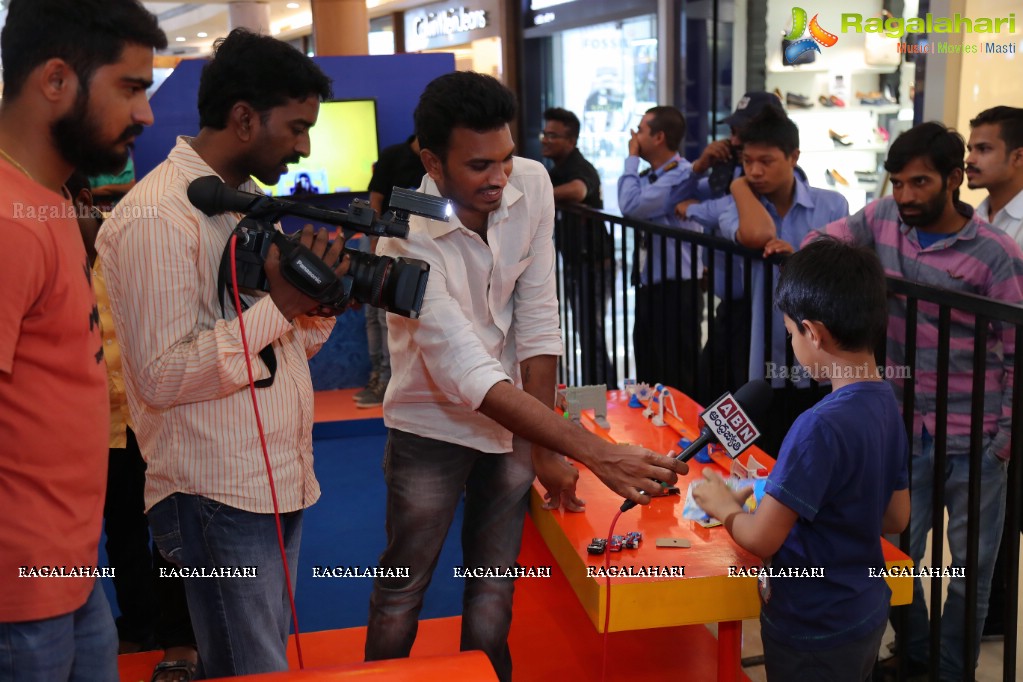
column 343, row 148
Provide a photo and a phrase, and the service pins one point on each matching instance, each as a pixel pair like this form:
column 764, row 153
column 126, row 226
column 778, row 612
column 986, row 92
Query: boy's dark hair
column 260, row 70
column 942, row 148
column 671, row 122
column 566, row 118
column 839, row 285
column 1009, row 121
column 461, row 99
column 773, row 129
column 87, row 34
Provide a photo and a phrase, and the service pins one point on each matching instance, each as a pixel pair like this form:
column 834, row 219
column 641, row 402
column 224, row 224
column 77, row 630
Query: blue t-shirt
column 837, row 469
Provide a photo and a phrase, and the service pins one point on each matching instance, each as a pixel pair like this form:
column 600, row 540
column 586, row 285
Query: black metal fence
column 598, row 273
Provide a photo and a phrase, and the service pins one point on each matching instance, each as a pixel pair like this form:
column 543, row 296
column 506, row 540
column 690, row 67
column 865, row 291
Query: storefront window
column 608, row 77
column 381, row 35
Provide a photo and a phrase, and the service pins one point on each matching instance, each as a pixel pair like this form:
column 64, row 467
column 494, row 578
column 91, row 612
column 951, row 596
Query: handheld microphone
column 729, row 421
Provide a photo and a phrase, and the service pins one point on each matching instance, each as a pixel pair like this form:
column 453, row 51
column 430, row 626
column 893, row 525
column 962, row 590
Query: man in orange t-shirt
column 75, row 75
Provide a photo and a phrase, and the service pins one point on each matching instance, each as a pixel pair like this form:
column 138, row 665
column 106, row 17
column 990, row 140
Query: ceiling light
column 180, row 39
column 201, row 34
column 292, row 5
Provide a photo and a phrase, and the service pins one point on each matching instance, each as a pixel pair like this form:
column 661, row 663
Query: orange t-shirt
column 54, row 412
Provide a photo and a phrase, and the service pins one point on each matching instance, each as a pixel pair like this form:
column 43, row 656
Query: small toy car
column 616, row 543
column 633, row 539
column 597, row 546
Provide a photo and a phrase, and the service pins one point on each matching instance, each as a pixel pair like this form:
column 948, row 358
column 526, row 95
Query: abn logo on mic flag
column 799, row 46
column 727, row 421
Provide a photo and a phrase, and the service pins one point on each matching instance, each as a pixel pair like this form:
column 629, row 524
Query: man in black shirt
column 586, row 246
column 398, row 166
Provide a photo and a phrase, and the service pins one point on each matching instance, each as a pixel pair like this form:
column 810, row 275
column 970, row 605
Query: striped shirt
column 979, row 259
column 184, row 364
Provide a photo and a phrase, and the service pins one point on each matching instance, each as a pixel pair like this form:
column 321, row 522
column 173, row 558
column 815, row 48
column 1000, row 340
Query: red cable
column 266, row 454
column 607, row 591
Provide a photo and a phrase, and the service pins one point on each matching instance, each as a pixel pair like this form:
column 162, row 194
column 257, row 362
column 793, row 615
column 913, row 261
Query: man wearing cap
column 720, row 163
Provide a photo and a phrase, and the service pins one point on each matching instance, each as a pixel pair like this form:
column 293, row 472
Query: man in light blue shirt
column 669, row 303
column 725, row 365
column 774, row 208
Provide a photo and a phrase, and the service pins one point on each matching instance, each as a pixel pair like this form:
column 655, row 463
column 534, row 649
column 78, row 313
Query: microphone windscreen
column 755, row 398
column 207, row 195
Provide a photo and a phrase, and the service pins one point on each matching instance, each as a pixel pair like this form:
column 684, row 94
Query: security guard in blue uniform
column 669, row 303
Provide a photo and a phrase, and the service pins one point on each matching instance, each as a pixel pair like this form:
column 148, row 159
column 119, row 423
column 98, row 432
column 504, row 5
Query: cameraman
column 207, row 492
column 474, row 377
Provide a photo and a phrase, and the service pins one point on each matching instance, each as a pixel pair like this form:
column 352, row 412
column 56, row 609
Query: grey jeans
column 425, row 481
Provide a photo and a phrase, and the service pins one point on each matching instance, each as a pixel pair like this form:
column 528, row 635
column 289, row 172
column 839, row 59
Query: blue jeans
column 425, row 480
column 992, row 515
column 376, row 338
column 241, row 623
column 80, row 646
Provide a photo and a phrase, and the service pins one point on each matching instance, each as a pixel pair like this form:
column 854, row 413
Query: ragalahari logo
column 798, row 45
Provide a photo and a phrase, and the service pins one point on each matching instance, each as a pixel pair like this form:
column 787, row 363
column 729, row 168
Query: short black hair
column 839, row 285
column 940, row 146
column 566, row 118
column 87, row 34
column 1009, row 121
column 671, row 122
column 773, row 129
column 461, row 99
column 260, row 70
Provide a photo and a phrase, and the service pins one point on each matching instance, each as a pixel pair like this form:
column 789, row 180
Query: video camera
column 394, row 284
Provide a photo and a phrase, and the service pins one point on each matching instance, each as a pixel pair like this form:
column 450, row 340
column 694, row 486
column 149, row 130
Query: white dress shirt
column 488, row 306
column 184, row 363
column 1009, row 219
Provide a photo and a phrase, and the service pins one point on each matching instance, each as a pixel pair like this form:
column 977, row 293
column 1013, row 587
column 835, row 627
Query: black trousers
column 667, row 333
column 730, row 353
column 589, row 288
column 153, row 609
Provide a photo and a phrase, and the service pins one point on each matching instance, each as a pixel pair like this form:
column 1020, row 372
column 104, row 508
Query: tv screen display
column 343, row 149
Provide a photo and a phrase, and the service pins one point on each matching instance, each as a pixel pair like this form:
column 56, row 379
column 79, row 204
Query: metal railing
column 597, row 272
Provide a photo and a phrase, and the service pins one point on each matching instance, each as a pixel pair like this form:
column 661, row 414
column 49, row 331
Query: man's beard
column 930, row 212
column 78, row 139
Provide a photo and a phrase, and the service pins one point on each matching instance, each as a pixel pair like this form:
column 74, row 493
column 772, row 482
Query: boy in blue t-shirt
column 841, row 479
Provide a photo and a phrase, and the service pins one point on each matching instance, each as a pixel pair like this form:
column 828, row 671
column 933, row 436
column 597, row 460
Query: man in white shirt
column 473, row 379
column 995, row 163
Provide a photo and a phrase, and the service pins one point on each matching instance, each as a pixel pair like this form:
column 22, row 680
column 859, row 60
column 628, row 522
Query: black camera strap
column 225, row 293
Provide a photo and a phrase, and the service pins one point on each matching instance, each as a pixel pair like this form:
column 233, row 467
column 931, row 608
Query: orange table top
column 466, row 665
column 706, row 593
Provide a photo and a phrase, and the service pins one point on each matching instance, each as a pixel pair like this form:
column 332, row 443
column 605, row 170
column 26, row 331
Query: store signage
column 443, row 24
column 545, row 18
column 537, row 5
column 447, row 23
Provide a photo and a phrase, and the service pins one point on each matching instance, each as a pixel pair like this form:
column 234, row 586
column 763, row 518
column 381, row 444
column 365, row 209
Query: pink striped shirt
column 184, row 364
column 979, row 259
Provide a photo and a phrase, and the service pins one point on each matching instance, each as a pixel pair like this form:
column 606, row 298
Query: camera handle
column 307, row 272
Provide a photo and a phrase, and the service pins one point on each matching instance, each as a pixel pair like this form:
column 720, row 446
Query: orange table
column 706, row 593
column 473, row 666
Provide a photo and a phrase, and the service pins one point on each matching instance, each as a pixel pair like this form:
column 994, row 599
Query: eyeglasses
column 547, row 135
